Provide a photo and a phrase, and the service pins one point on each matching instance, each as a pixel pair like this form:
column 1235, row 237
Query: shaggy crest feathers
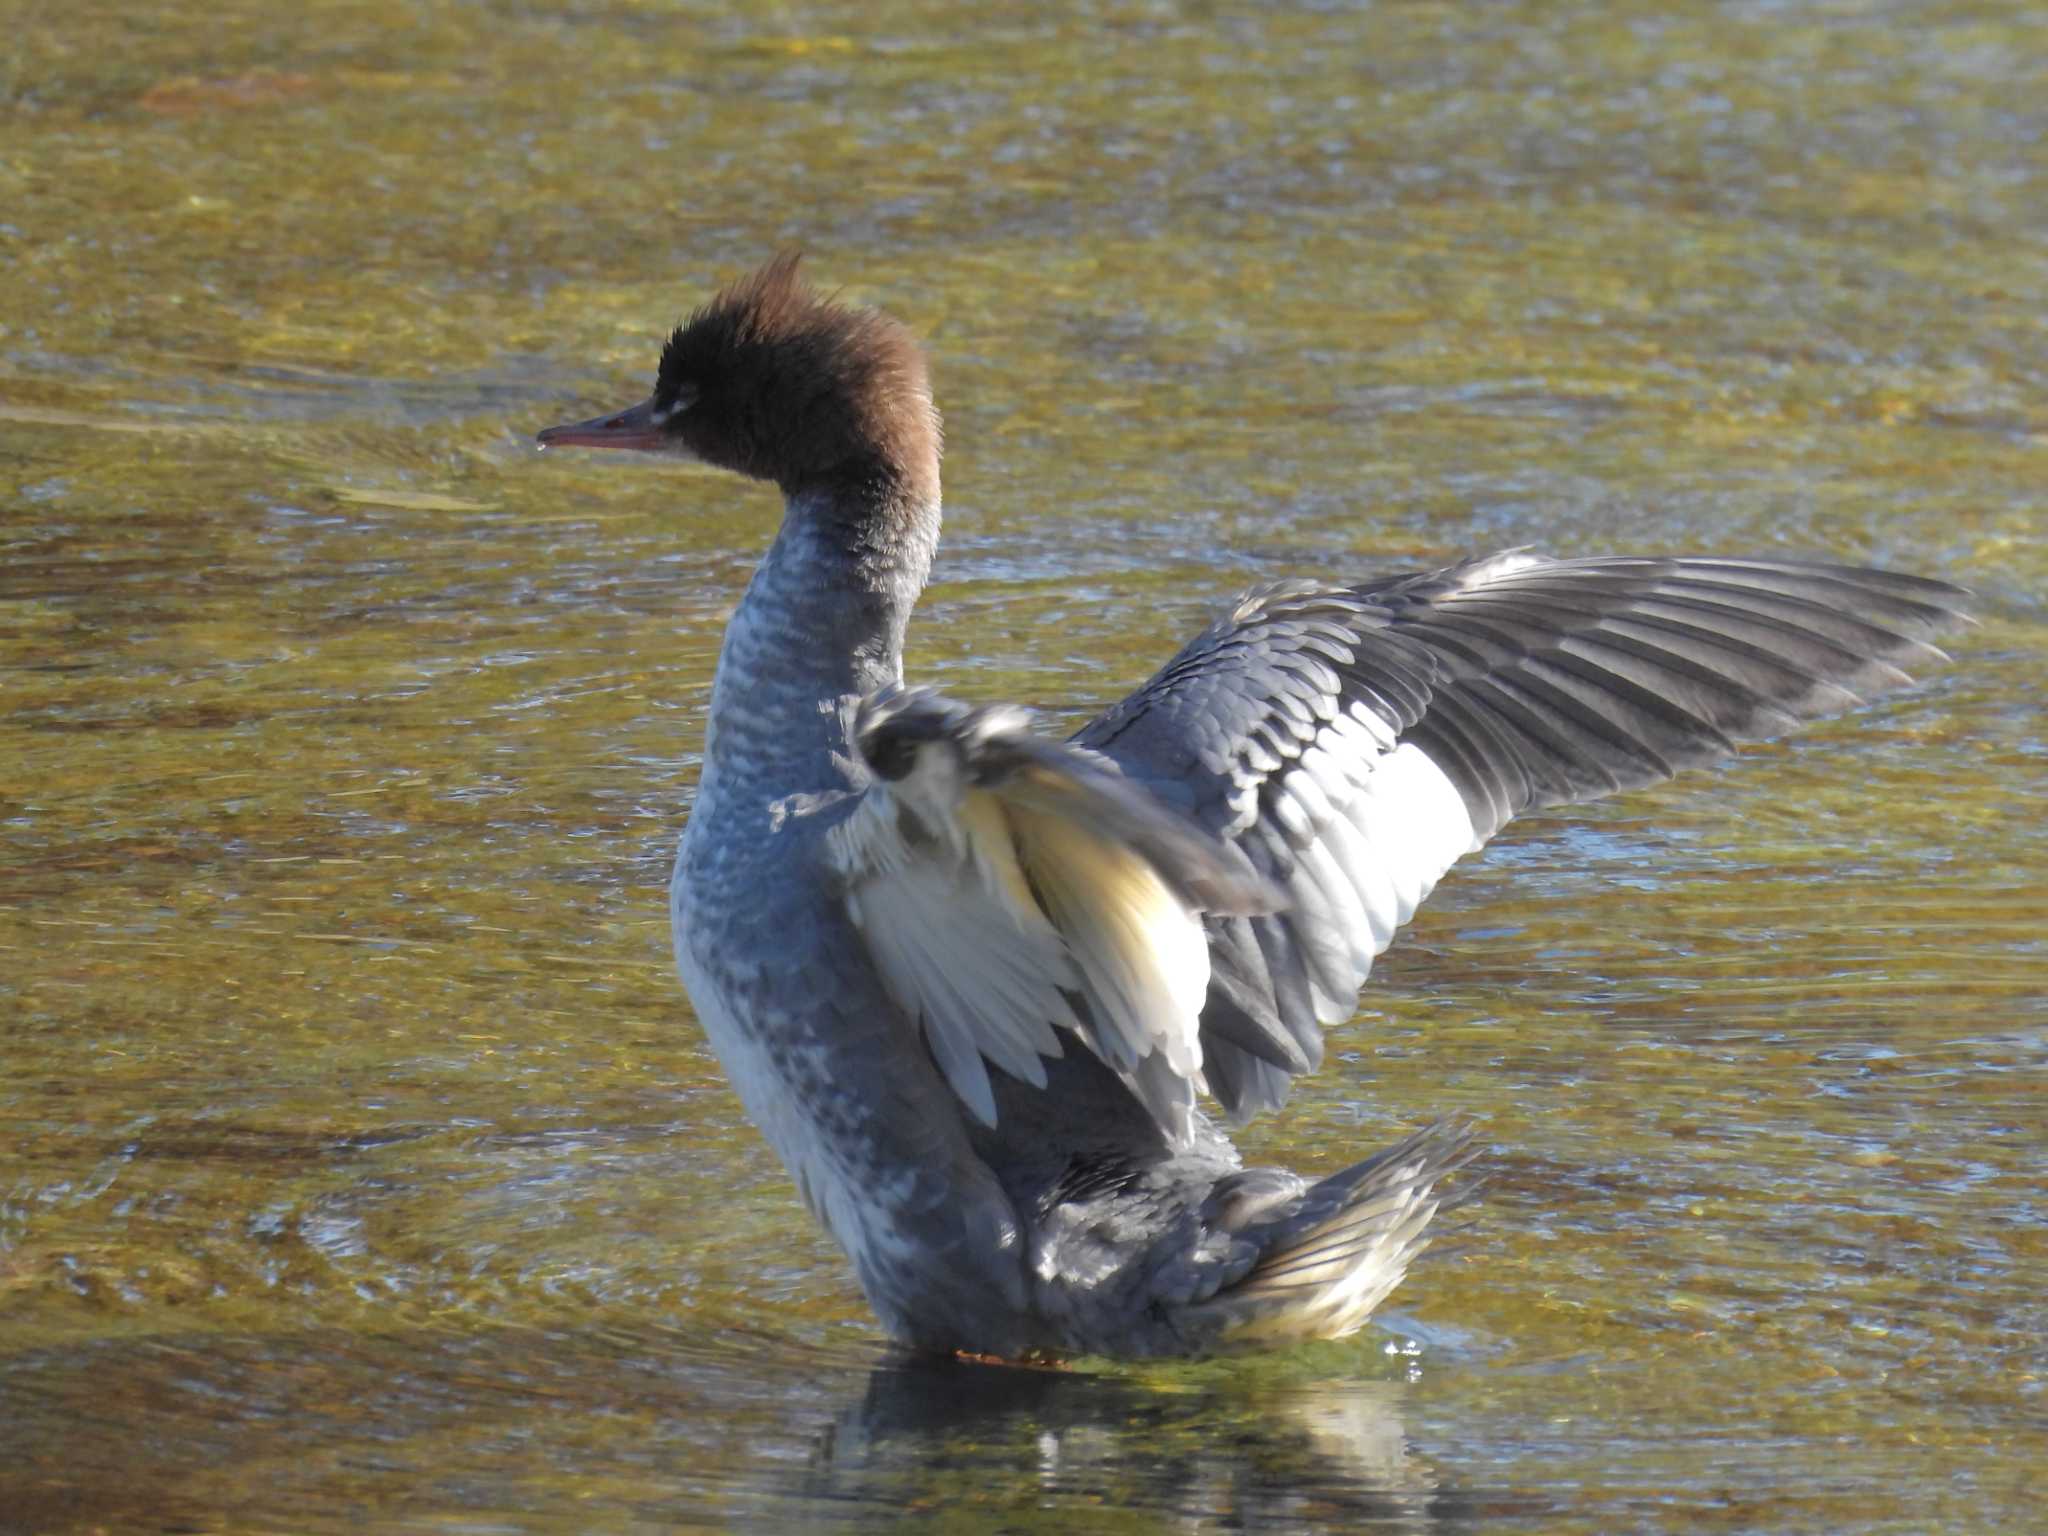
column 777, row 382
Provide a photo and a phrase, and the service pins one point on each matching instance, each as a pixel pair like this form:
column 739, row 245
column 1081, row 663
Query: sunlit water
column 359, row 1161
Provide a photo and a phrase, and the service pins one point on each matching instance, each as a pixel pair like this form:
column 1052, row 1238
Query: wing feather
column 1016, row 894
column 1201, row 880
column 1139, row 948
column 1356, row 743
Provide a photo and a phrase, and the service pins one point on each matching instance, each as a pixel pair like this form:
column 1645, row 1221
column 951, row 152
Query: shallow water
column 359, row 1161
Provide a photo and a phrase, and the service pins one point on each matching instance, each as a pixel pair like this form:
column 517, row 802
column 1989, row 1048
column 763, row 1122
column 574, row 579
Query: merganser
column 971, row 982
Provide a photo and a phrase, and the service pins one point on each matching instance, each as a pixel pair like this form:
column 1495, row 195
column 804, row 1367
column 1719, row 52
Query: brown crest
column 787, row 385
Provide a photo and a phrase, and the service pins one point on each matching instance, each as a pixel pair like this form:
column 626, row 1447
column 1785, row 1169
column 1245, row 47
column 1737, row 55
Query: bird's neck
column 821, row 626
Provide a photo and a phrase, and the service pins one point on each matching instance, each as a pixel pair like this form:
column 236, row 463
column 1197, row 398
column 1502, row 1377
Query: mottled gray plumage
column 972, row 982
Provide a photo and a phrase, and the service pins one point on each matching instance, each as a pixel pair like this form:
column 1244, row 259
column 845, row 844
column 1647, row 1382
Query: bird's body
column 776, row 971
column 971, row 983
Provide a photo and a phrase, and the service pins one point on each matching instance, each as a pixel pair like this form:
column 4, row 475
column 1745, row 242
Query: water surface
column 360, row 1163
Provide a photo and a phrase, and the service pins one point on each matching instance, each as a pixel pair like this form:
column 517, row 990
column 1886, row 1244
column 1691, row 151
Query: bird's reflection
column 686, row 1421
column 1187, row 1449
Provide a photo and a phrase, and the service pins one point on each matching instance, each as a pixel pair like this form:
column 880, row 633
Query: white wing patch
column 1371, row 831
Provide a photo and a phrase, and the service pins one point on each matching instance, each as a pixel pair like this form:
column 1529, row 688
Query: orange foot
column 1022, row 1362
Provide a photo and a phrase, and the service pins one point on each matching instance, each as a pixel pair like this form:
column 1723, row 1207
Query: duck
column 997, row 999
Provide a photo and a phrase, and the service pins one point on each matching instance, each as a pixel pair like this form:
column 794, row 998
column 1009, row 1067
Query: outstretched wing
column 1018, row 893
column 1354, row 744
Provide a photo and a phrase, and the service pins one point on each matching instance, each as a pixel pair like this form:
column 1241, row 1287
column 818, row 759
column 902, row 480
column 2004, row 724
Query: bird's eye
column 668, row 406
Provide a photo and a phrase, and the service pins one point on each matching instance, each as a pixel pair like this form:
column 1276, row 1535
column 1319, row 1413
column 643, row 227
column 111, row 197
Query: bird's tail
column 1333, row 1258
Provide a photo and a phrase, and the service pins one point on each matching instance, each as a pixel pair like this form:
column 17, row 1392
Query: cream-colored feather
column 955, row 936
column 1142, row 953
column 988, row 910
